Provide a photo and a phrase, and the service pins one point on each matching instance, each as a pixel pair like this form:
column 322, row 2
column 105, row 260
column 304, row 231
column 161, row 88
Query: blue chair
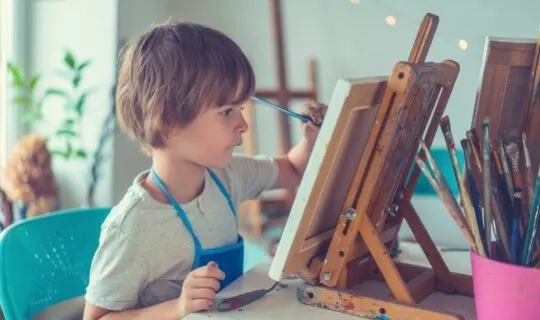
column 46, row 260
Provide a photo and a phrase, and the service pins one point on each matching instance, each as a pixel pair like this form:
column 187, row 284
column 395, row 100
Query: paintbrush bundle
column 498, row 211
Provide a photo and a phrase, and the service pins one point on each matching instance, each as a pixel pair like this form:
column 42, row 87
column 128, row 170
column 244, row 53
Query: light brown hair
column 171, row 73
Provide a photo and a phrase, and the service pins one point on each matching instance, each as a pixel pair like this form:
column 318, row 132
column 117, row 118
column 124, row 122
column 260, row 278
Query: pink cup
column 505, row 291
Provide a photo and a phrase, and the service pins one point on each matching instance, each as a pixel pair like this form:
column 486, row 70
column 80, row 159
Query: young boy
column 172, row 242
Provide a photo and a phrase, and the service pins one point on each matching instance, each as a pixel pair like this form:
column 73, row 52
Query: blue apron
column 230, row 258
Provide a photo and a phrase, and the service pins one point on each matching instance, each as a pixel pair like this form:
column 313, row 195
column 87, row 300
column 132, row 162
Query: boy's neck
column 184, row 180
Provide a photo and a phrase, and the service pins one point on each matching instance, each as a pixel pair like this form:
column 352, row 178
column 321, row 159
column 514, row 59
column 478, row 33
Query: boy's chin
column 220, row 162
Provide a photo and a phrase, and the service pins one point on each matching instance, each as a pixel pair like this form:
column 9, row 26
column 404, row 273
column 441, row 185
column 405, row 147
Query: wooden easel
column 276, row 206
column 378, row 200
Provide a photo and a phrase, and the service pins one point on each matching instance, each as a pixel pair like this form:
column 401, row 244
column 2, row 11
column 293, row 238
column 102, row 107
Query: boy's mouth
column 234, row 145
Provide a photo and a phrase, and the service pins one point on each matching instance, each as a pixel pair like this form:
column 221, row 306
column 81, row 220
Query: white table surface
column 282, row 304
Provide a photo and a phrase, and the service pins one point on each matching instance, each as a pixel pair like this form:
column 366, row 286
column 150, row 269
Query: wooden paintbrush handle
column 445, row 197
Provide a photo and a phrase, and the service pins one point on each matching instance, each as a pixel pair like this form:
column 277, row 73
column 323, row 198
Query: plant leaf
column 22, row 100
column 34, row 81
column 76, row 80
column 69, row 149
column 68, row 123
column 84, row 65
column 66, row 132
column 56, row 92
column 69, row 60
column 81, row 153
column 17, row 75
column 79, row 105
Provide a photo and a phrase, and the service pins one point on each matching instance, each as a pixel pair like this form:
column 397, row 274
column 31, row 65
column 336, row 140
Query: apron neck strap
column 223, row 190
column 180, row 212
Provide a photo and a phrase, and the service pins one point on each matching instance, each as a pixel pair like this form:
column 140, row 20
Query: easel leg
column 428, row 246
column 384, row 261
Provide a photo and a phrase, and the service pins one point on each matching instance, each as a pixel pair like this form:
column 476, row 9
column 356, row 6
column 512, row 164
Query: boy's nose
column 243, row 124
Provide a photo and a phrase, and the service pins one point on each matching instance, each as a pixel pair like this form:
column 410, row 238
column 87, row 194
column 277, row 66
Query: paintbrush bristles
column 526, row 150
column 506, row 170
column 512, row 150
column 485, row 123
column 497, row 159
column 474, row 149
column 528, row 168
column 465, row 147
column 446, row 128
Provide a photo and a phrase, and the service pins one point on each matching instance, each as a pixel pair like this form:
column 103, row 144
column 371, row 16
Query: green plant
column 25, row 96
column 66, row 140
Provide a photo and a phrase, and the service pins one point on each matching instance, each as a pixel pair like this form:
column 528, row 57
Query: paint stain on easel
column 345, row 305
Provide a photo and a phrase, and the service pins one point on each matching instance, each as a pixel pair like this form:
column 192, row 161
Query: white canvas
column 339, row 97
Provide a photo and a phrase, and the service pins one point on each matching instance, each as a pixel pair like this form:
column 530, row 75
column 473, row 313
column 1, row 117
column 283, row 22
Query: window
column 8, row 128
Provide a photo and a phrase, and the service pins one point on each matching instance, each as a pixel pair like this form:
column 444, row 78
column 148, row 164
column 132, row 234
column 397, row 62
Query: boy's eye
column 226, row 112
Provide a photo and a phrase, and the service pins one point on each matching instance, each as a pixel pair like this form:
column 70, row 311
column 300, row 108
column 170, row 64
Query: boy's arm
column 198, row 293
column 165, row 310
column 117, row 275
column 291, row 167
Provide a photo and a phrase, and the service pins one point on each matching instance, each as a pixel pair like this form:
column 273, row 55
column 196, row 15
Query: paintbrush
column 446, row 129
column 512, row 150
column 473, row 155
column 285, row 110
column 511, row 146
column 474, row 147
column 476, row 162
column 473, row 191
column 441, row 187
column 238, row 301
column 486, row 185
column 528, row 167
column 506, row 170
column 532, row 224
column 501, row 186
column 500, row 203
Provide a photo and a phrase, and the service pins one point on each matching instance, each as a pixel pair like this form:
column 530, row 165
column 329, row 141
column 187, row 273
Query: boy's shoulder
column 136, row 211
column 246, row 176
column 241, row 162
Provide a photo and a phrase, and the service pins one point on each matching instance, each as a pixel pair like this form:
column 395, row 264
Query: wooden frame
column 357, row 190
column 509, row 93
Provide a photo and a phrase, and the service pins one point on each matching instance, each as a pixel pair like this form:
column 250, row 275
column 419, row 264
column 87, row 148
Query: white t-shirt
column 145, row 251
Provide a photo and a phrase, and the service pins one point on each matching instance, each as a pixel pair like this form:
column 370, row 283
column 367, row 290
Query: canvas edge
column 341, row 92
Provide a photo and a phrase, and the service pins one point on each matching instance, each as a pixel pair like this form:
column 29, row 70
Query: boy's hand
column 199, row 289
column 316, row 111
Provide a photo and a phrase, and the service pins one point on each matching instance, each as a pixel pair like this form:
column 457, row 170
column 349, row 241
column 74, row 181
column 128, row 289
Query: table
column 282, row 304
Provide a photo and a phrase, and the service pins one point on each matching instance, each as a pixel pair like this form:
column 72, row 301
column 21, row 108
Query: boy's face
column 209, row 140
